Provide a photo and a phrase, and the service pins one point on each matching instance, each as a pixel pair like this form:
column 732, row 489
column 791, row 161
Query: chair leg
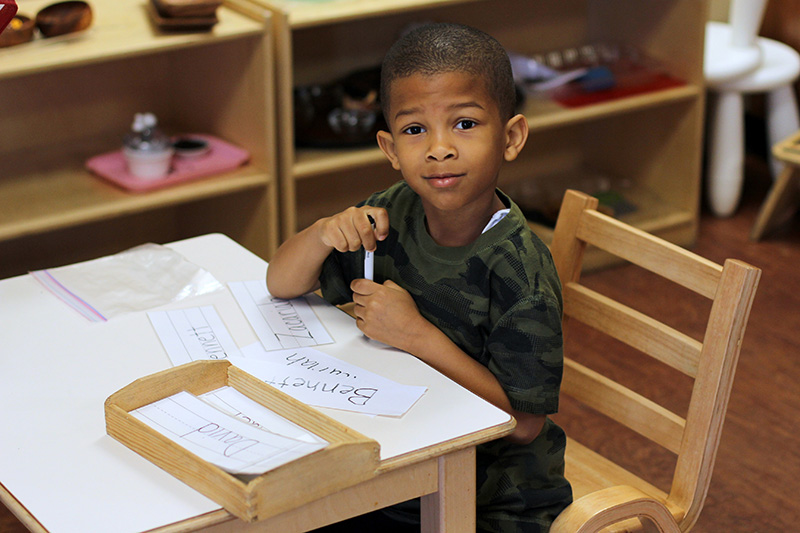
column 725, row 152
column 781, row 203
column 782, row 121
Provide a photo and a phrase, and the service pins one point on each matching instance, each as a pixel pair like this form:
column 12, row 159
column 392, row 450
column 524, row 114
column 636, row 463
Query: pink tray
column 221, row 157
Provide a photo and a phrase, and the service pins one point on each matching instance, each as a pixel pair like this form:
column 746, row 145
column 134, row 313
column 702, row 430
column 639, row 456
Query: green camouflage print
column 499, row 300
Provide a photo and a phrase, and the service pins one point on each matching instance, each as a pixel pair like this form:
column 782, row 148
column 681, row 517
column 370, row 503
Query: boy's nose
column 440, row 148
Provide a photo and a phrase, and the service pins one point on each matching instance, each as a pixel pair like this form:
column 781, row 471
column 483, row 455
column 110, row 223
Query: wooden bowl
column 64, row 17
column 18, row 31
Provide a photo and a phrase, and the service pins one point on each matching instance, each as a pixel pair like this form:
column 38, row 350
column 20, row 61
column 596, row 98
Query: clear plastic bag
column 137, row 279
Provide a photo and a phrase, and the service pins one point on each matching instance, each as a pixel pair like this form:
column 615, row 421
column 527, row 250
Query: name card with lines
column 279, row 324
column 232, row 444
column 193, row 334
column 321, row 380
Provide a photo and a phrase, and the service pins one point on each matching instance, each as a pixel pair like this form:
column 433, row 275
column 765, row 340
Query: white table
column 60, row 472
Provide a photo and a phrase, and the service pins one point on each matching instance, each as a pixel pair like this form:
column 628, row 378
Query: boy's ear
column 516, row 136
column 386, row 142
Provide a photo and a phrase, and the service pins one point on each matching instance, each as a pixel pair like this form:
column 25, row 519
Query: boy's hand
column 387, row 313
column 352, row 228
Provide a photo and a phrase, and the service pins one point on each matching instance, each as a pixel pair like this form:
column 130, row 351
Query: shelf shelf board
column 68, row 197
column 302, row 14
column 545, row 114
column 542, row 115
column 313, row 162
column 120, row 28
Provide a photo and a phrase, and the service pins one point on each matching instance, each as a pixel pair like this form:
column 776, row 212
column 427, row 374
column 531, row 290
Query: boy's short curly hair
column 444, row 47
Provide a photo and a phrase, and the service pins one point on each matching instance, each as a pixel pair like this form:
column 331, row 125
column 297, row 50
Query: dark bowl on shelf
column 18, row 31
column 64, row 17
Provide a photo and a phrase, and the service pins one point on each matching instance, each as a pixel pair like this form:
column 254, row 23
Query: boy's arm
column 435, row 348
column 380, row 307
column 295, row 268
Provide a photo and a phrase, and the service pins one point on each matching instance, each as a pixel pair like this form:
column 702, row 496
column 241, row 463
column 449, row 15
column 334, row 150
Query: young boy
column 460, row 281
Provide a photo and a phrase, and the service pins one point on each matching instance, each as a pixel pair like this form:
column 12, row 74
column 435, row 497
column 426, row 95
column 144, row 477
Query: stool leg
column 782, row 120
column 725, row 152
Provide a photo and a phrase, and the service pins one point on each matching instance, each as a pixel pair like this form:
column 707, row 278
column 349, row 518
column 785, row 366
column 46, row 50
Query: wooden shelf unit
column 654, row 141
column 66, row 99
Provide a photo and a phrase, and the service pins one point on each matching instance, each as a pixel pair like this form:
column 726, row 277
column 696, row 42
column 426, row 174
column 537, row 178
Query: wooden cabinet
column 652, row 141
column 66, row 99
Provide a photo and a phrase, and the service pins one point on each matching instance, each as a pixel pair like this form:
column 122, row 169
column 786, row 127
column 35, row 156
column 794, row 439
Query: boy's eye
column 414, row 130
column 466, row 124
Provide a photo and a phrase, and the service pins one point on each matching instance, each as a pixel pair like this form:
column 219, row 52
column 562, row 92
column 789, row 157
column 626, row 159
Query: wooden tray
column 349, row 459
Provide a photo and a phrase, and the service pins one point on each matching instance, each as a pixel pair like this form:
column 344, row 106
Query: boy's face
column 448, row 140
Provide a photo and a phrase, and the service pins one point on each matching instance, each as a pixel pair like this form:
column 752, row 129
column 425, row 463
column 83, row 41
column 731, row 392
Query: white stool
column 779, row 67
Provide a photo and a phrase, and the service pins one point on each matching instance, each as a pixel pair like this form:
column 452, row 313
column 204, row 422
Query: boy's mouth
column 443, row 180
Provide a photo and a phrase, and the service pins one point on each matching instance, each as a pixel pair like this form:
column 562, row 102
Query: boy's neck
column 460, row 228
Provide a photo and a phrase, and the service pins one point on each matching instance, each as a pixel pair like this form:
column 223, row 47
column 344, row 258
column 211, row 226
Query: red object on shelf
column 221, row 157
column 644, row 82
column 8, row 8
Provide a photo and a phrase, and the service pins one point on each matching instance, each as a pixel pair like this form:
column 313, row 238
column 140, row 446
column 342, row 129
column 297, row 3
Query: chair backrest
column 711, row 363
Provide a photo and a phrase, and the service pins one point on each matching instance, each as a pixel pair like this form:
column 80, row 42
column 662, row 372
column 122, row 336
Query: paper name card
column 193, row 334
column 321, row 380
column 279, row 323
column 230, row 401
column 227, row 442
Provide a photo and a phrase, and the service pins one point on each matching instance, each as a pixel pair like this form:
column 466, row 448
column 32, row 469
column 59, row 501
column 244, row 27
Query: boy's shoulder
column 399, row 192
column 515, row 253
column 514, row 232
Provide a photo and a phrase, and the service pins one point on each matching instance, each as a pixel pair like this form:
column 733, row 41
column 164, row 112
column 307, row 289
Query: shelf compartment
column 73, row 97
column 124, row 29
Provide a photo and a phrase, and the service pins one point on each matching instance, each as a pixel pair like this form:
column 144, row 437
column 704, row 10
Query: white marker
column 369, row 258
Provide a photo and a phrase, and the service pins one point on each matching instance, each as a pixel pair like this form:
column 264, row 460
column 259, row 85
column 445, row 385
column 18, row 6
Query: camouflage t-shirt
column 499, row 300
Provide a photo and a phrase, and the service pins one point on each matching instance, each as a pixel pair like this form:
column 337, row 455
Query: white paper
column 234, row 403
column 193, row 334
column 278, row 323
column 318, row 379
column 233, row 445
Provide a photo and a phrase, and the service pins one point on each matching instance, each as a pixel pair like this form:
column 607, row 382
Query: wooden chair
column 607, row 495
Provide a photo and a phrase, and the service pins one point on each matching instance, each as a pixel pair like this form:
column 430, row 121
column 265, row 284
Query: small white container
column 149, row 164
column 147, row 150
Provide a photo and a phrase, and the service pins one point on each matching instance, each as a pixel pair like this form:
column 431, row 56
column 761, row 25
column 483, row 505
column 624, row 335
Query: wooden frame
column 605, row 493
column 349, row 458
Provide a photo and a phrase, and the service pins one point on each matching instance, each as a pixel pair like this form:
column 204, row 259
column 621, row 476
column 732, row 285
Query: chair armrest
column 605, row 507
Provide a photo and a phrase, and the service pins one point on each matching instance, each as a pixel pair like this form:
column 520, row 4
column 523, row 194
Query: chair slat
column 623, row 405
column 641, row 248
column 722, row 345
column 635, row 329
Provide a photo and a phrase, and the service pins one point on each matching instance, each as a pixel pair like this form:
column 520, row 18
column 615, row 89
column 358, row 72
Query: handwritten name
column 355, row 395
column 232, row 442
column 310, row 364
column 208, row 341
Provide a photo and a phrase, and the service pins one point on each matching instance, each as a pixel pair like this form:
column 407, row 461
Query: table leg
column 452, row 508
